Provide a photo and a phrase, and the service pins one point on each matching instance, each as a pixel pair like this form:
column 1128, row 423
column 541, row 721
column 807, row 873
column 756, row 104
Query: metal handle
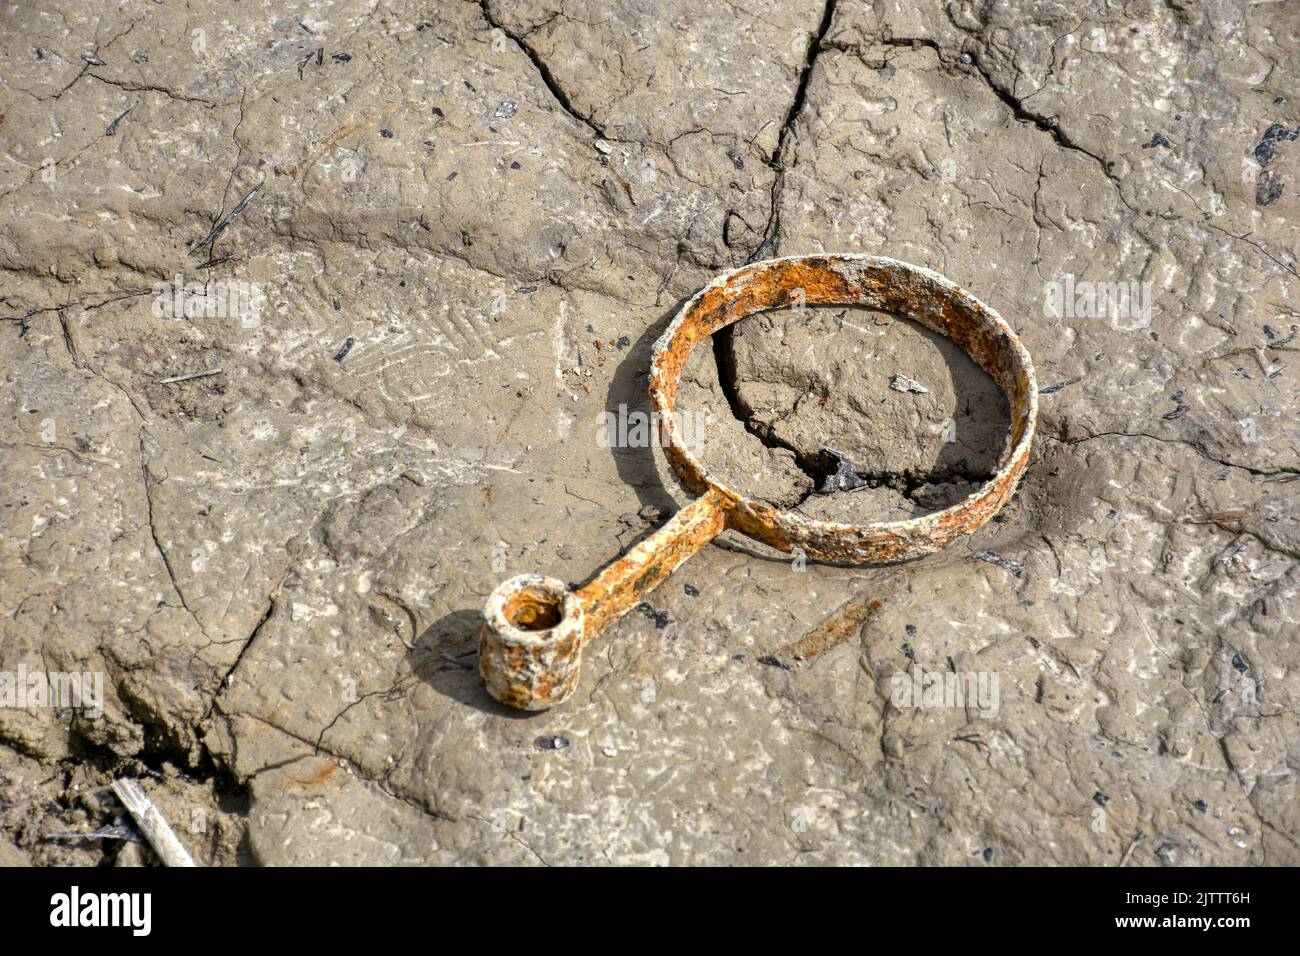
column 535, row 627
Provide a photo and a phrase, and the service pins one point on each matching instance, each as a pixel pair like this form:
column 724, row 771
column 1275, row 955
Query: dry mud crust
column 889, row 394
column 279, row 567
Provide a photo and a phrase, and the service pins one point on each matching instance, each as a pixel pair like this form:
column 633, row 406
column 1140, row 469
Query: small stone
column 901, row 383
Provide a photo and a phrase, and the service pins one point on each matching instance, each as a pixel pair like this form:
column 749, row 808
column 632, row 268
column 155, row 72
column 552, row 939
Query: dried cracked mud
column 460, row 228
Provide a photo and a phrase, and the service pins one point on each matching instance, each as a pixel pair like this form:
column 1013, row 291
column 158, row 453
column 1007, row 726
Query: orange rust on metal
column 531, row 610
column 528, row 665
column 622, row 585
column 835, row 630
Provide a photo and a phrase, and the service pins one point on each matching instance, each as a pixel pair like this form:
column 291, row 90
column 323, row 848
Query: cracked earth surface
column 470, row 221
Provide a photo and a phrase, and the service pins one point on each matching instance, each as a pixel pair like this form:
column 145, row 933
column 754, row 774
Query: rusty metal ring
column 535, row 628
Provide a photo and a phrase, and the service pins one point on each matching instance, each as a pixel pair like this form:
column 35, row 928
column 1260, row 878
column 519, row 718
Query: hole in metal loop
column 533, row 609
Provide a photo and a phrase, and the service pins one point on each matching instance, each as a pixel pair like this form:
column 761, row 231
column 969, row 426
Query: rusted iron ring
column 874, row 282
column 535, row 627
